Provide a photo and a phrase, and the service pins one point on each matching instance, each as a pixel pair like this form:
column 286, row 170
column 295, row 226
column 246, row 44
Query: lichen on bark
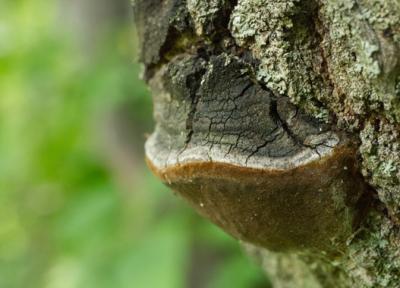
column 337, row 61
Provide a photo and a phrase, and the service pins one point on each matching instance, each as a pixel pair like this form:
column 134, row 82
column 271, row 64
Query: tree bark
column 280, row 122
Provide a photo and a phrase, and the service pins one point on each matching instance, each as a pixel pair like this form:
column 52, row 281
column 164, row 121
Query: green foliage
column 66, row 217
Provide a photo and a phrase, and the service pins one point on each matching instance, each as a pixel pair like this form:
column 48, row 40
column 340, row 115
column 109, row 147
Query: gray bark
column 279, row 121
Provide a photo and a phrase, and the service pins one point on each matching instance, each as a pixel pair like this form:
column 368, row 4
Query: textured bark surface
column 280, row 122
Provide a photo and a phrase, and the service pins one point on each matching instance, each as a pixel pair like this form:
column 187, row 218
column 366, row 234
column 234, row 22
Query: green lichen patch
column 373, row 259
column 363, row 58
column 380, row 151
column 204, row 14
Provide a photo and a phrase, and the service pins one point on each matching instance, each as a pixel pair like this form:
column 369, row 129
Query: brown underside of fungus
column 310, row 206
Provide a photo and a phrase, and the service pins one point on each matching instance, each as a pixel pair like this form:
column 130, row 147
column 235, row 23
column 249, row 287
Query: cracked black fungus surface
column 224, row 107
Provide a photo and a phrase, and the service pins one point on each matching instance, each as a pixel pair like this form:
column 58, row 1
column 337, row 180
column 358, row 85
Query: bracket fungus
column 240, row 154
column 250, row 161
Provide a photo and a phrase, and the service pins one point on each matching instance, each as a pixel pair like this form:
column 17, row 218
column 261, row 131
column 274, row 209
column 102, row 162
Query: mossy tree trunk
column 251, row 94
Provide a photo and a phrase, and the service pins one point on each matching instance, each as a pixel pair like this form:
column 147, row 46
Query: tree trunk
column 280, row 122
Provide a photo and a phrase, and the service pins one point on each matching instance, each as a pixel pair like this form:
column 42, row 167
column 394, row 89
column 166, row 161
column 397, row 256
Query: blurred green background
column 78, row 207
